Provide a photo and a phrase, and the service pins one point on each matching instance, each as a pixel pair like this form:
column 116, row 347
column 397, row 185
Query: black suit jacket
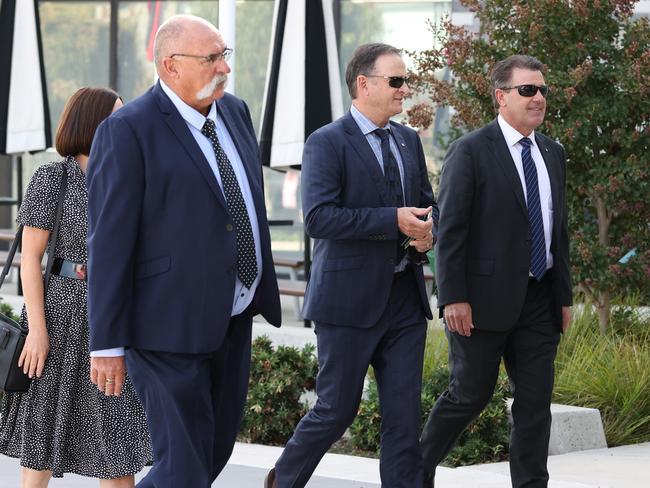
column 482, row 255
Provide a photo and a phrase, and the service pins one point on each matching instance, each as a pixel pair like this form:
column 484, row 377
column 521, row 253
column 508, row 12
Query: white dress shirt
column 512, row 137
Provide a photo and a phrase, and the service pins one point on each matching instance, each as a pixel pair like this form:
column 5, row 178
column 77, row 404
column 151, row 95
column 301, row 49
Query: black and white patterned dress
column 63, row 423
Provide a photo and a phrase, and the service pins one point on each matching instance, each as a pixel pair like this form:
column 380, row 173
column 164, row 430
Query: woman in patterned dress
column 63, row 424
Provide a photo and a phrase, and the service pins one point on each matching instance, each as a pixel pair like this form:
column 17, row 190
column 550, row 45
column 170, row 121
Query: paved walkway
column 620, row 467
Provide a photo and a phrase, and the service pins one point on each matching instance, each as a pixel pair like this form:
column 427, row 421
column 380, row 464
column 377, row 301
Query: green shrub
column 609, row 372
column 485, row 440
column 278, row 379
column 5, row 309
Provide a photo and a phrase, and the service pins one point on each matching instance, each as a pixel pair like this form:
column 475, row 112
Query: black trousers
column 528, row 351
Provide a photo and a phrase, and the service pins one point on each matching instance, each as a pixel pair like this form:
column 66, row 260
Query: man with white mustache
column 180, row 254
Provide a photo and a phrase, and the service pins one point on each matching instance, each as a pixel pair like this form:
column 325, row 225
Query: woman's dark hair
column 81, row 116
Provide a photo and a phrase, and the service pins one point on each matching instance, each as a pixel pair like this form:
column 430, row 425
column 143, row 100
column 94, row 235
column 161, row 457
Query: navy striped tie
column 537, row 241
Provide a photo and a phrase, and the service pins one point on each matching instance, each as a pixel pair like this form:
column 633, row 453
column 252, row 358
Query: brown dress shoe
column 269, row 481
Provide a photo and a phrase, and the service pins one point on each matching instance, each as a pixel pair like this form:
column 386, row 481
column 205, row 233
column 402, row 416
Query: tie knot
column 382, row 133
column 525, row 142
column 208, row 129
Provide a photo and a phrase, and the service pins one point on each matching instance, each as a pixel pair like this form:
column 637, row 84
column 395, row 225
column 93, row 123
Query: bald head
column 191, row 59
column 175, row 33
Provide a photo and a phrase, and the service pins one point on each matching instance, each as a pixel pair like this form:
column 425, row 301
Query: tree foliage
column 597, row 57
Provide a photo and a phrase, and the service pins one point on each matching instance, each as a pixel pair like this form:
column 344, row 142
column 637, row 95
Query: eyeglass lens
column 531, row 90
column 396, row 81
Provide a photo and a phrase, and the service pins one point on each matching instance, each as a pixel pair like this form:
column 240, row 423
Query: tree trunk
column 604, row 297
column 604, row 306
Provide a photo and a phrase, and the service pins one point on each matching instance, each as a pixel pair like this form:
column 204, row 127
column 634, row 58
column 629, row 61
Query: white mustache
column 209, row 88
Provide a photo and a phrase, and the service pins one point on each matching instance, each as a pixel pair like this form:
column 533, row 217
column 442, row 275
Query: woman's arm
column 37, row 344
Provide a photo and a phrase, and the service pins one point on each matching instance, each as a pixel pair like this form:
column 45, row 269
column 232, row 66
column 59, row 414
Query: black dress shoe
column 428, row 480
column 269, row 481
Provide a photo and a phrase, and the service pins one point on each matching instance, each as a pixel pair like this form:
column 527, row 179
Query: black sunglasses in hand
column 528, row 90
column 393, row 81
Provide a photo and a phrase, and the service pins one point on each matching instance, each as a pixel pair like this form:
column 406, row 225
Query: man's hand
column 422, row 245
column 566, row 318
column 458, row 317
column 37, row 346
column 108, row 374
column 410, row 225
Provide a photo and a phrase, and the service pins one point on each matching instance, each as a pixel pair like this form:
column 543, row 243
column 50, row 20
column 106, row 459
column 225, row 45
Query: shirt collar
column 512, row 135
column 365, row 124
column 189, row 114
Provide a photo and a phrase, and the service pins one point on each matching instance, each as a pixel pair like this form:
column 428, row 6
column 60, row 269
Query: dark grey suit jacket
column 482, row 255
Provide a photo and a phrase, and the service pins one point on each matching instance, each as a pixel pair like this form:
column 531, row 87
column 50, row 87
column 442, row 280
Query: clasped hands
column 410, row 224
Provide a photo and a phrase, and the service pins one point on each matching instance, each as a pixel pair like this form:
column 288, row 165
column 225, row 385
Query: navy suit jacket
column 483, row 250
column 346, row 209
column 162, row 250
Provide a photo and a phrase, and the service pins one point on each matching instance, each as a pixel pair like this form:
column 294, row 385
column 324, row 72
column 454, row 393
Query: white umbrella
column 303, row 90
column 24, row 111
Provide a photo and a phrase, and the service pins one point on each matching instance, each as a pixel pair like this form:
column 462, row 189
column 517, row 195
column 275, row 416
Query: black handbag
column 13, row 334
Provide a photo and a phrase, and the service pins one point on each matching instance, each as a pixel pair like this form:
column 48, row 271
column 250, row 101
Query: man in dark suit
column 179, row 254
column 503, row 271
column 364, row 189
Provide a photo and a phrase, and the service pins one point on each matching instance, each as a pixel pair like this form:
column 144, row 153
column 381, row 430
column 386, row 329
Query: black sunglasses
column 393, row 81
column 529, row 90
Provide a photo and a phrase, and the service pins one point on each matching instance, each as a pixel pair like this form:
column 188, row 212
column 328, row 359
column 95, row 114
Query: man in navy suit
column 503, row 275
column 364, row 189
column 179, row 255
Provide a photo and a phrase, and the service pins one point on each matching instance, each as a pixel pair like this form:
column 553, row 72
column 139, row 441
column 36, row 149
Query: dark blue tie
column 537, row 241
column 393, row 181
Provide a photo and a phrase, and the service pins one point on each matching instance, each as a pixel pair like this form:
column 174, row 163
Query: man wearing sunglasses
column 503, row 272
column 180, row 254
column 364, row 191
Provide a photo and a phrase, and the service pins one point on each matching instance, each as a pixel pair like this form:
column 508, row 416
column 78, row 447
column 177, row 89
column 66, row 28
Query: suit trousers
column 194, row 405
column 528, row 351
column 395, row 348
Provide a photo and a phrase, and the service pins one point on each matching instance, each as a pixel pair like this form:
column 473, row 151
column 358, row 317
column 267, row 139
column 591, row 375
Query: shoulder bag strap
column 55, row 231
column 10, row 256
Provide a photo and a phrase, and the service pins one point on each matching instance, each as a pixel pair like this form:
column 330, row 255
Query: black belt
column 69, row 269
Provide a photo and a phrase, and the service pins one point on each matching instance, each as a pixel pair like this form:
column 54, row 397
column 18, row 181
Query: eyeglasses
column 528, row 90
column 210, row 58
column 393, row 81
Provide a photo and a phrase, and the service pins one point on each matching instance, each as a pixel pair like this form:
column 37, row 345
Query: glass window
column 75, row 49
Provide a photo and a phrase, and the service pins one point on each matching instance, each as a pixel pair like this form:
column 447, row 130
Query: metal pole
column 227, row 27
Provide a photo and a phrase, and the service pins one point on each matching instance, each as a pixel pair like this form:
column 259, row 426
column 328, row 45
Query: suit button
column 231, row 270
column 229, row 227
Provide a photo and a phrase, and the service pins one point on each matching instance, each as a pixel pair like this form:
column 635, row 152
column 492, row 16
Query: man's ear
column 362, row 85
column 500, row 95
column 170, row 67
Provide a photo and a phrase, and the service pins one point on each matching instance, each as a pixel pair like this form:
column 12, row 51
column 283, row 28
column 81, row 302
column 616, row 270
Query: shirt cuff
column 103, row 353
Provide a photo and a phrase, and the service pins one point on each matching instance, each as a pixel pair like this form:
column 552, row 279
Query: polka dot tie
column 537, row 240
column 246, row 262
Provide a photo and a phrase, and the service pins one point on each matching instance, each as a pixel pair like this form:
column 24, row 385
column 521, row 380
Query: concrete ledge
column 573, row 429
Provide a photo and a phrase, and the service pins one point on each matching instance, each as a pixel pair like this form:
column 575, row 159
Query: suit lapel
column 499, row 148
column 360, row 144
column 408, row 162
column 180, row 130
